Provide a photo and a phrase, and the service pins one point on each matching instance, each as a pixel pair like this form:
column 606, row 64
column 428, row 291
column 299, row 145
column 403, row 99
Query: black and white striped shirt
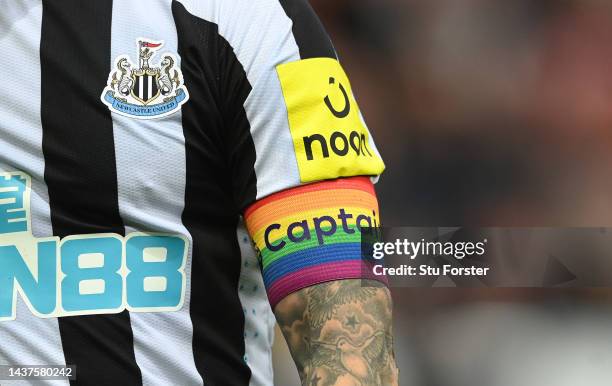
column 190, row 172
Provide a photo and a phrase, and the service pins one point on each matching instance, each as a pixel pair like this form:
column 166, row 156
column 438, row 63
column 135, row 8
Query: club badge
column 146, row 91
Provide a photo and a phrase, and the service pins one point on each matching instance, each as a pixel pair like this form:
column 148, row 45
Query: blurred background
column 487, row 113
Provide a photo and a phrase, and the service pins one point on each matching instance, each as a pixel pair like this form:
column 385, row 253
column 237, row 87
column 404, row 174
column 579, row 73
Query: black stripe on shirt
column 80, row 171
column 308, row 31
column 220, row 158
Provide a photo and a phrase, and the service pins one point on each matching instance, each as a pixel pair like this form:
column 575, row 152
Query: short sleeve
column 321, row 133
column 301, row 159
column 290, row 113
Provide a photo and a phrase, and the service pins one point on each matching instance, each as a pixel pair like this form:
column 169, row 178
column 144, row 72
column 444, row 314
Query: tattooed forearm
column 339, row 333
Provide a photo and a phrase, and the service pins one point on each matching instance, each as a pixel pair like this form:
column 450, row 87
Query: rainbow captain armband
column 312, row 234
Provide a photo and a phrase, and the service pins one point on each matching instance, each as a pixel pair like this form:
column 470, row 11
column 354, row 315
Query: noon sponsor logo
column 338, row 143
column 329, row 136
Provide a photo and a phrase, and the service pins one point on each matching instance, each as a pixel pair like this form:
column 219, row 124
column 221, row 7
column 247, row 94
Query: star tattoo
column 352, row 322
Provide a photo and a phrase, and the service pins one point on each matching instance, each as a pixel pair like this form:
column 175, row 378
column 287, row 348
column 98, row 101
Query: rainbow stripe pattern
column 312, row 234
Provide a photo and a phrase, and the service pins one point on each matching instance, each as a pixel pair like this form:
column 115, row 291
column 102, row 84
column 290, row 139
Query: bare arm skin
column 339, row 334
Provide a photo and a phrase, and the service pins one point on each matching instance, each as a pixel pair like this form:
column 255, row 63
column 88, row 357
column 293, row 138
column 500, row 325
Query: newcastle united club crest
column 146, row 91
